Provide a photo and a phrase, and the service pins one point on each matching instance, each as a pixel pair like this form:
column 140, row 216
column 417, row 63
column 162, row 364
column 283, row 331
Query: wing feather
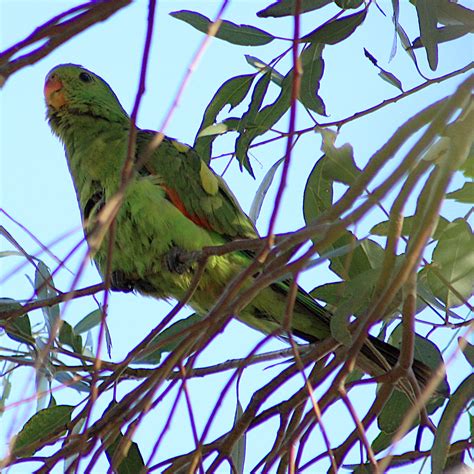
column 192, row 186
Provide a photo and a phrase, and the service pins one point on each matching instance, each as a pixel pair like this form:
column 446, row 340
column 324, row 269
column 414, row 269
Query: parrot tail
column 376, row 356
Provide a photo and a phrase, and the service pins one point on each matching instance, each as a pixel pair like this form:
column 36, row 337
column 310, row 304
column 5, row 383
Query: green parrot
column 174, row 201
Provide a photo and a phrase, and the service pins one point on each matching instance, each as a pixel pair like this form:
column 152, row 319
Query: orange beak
column 53, row 92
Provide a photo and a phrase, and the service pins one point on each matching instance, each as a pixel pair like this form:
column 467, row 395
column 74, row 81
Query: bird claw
column 177, row 260
column 119, row 282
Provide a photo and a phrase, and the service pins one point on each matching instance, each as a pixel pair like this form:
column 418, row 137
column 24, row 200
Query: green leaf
column 468, row 350
column 10, row 253
column 247, row 123
column 450, row 13
column 67, row 379
column 264, row 120
column 349, row 4
column 238, row 451
column 335, row 31
column 427, row 21
column 7, row 385
column 131, row 463
column 453, row 264
column 354, row 376
column 287, row 7
column 365, row 255
column 262, row 191
column 154, row 356
column 243, row 35
column 393, row 413
column 44, row 287
column 270, row 114
column 262, row 66
column 426, row 297
column 428, row 353
column 467, row 168
column 454, row 409
column 76, row 429
column 67, row 336
column 329, row 292
column 232, row 93
column 471, row 422
column 356, row 296
column 381, row 442
column 43, row 388
column 327, row 255
column 313, row 69
column 391, row 79
column 341, row 165
column 464, row 194
column 382, row 228
column 88, row 322
column 395, row 17
column 19, row 328
column 258, row 94
column 445, row 34
column 385, row 75
column 40, row 427
column 228, row 125
column 318, row 192
column 407, row 46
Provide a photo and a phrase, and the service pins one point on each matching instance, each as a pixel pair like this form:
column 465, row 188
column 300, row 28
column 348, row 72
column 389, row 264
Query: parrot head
column 71, row 89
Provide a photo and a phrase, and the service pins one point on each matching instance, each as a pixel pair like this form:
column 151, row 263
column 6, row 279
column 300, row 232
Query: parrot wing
column 191, row 185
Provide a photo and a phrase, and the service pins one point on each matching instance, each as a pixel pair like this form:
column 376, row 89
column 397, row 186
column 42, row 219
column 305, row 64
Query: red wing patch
column 175, row 199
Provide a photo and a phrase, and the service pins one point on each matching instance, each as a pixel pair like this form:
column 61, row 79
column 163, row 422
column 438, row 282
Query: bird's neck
column 96, row 150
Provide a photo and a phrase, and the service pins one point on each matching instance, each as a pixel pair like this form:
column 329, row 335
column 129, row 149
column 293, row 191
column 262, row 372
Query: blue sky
column 36, row 188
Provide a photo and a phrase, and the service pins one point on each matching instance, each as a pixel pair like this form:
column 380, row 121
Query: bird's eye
column 85, row 77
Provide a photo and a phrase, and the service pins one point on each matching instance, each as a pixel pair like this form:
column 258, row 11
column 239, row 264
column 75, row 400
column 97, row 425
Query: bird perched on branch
column 172, row 201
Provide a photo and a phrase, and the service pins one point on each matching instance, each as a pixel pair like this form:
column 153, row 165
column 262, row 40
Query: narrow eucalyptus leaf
column 456, row 406
column 468, row 350
column 248, row 122
column 40, row 427
column 385, row 75
column 262, row 191
column 445, row 34
column 451, row 13
column 288, row 7
column 257, row 63
column 335, row 31
column 131, row 461
column 88, row 322
column 340, row 165
column 381, row 442
column 318, row 192
column 44, row 287
column 382, row 228
column 464, row 194
column 453, row 264
column 231, row 93
column 19, row 328
column 67, row 379
column 427, row 20
column 349, row 4
column 238, row 451
column 154, row 356
column 313, row 69
column 243, row 35
column 68, row 337
column 228, row 125
column 428, row 353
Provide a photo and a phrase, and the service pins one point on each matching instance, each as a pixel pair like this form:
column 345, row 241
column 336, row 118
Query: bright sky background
column 36, row 188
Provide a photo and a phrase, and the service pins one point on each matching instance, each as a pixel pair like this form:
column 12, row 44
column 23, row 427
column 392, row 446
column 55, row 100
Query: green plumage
column 174, row 200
